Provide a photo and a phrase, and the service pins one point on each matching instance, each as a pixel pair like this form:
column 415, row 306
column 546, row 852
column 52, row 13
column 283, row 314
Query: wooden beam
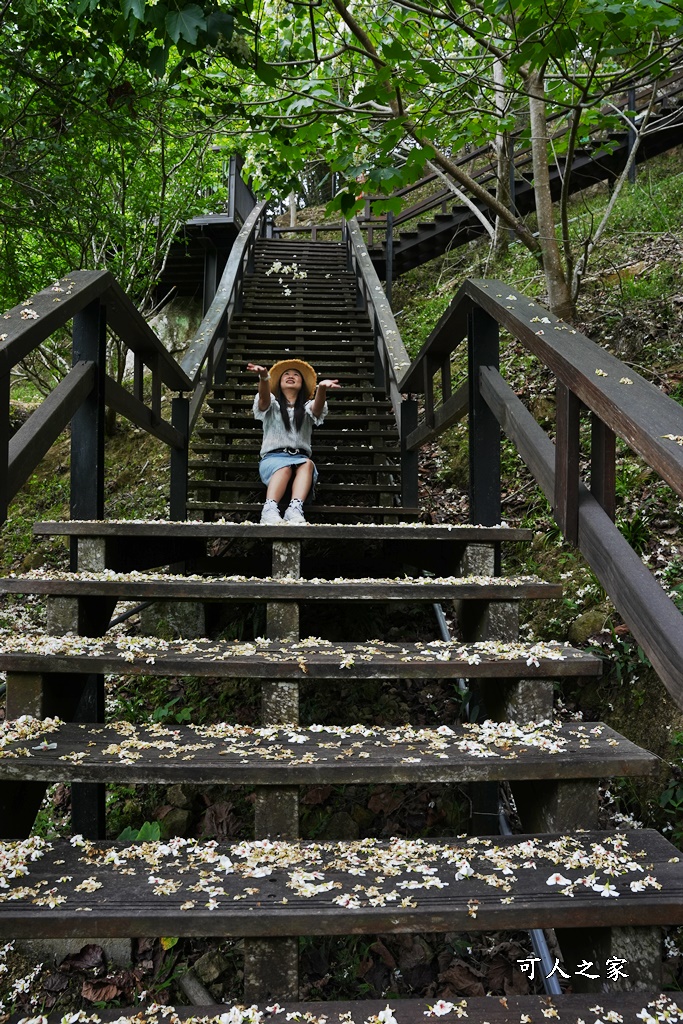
column 452, row 411
column 566, row 499
column 44, row 426
column 127, row 405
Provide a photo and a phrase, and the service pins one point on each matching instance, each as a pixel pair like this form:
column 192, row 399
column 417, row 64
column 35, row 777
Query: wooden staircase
column 432, row 234
column 309, row 312
column 308, row 600
column 277, row 888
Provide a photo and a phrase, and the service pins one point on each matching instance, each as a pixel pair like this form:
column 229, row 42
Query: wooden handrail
column 637, row 411
column 209, row 342
column 94, row 301
column 621, row 403
column 391, row 357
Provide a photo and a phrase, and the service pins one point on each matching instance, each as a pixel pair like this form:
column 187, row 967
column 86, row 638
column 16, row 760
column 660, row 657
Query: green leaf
column 219, row 23
column 393, row 205
column 129, row 835
column 156, row 61
column 134, row 7
column 185, row 24
column 168, row 943
column 266, row 72
column 150, row 832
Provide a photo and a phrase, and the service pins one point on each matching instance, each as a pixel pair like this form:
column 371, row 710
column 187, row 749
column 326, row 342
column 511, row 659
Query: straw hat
column 309, row 375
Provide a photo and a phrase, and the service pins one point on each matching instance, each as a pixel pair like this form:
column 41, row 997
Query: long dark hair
column 299, row 412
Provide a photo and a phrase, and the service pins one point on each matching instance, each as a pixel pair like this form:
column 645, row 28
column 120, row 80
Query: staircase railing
column 391, row 357
column 486, row 173
column 620, row 402
column 96, row 303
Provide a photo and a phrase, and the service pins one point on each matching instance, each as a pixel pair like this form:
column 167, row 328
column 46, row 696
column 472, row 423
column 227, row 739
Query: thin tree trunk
column 503, row 161
column 559, row 294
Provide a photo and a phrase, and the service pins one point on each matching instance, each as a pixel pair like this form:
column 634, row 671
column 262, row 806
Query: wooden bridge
column 557, row 872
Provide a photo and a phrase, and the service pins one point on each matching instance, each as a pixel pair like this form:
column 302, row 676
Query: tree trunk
column 503, row 147
column 559, row 294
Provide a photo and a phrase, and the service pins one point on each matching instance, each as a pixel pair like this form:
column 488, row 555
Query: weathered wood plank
column 355, row 531
column 224, row 754
column 43, row 427
column 125, row 403
column 453, row 409
column 25, row 326
column 314, row 658
column 126, row 321
column 213, row 588
column 569, row 1008
column 266, row 889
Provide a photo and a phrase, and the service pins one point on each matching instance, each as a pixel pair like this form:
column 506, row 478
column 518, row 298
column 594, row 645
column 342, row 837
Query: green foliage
column 169, row 713
column 149, row 832
column 671, row 799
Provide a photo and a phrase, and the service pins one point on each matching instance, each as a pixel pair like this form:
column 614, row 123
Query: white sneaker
column 270, row 514
column 295, row 513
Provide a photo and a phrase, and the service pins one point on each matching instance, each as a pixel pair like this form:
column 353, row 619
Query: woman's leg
column 302, row 480
column 277, row 484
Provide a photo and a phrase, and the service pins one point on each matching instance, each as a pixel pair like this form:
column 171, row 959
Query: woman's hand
column 256, row 368
column 329, row 384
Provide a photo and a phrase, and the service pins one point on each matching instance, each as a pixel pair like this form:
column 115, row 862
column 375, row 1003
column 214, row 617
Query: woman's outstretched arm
column 321, row 395
column 263, row 385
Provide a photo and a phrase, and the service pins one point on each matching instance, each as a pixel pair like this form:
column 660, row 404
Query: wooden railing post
column 87, row 424
column 603, row 465
column 221, row 371
column 567, row 463
column 409, row 459
column 210, row 278
column 484, row 433
column 389, row 257
column 180, row 419
column 88, row 814
column 380, row 373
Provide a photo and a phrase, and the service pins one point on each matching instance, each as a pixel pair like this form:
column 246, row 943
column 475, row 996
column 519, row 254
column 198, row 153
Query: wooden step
column 258, row 338
column 244, row 386
column 340, row 514
column 354, row 363
column 313, row 658
column 185, row 887
column 322, row 488
column 327, row 467
column 333, row 444
column 334, row 419
column 170, row 586
column 349, row 405
column 404, row 532
column 223, row 754
column 568, row 1008
column 327, row 435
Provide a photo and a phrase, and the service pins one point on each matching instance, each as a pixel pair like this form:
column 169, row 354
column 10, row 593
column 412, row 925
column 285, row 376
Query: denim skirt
column 272, row 461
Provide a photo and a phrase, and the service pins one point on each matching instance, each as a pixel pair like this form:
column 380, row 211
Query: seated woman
column 289, row 405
